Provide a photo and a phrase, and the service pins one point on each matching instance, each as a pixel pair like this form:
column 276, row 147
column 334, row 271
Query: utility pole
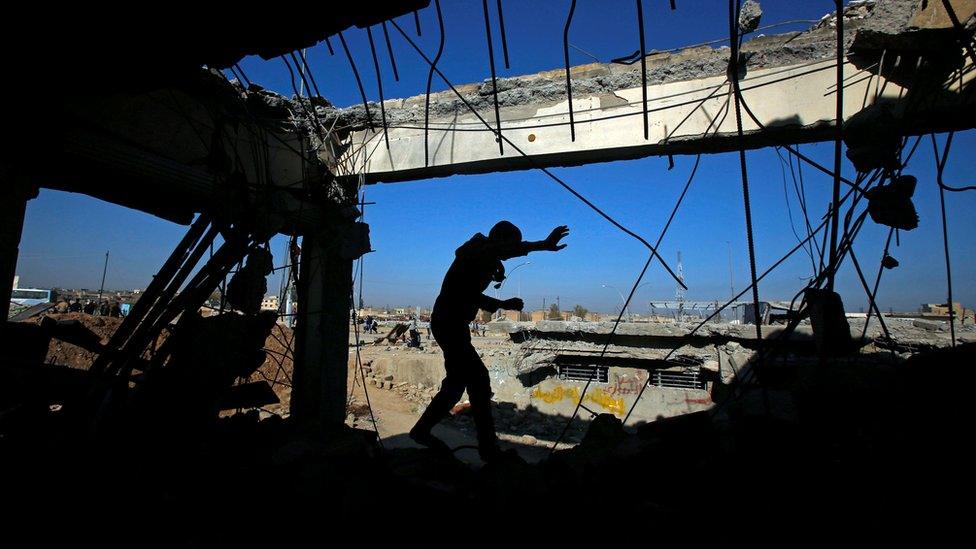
column 104, row 270
column 679, row 292
column 731, row 281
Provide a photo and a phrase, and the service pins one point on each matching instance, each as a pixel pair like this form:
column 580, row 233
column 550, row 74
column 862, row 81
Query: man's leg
column 479, row 391
column 450, row 393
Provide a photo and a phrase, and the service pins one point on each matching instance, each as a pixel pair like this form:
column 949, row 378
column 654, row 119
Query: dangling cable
column 359, row 82
column 379, row 85
column 643, row 60
column 494, row 82
column 569, row 83
column 501, row 28
column 430, row 79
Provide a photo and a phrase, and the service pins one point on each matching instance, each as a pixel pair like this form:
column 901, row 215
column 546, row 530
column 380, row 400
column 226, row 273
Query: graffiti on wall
column 626, row 384
column 601, row 397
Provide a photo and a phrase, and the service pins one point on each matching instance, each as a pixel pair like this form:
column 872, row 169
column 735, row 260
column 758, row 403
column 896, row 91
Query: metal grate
column 676, row 379
column 584, row 372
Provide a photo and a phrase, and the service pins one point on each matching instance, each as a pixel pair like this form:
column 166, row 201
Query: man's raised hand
column 513, row 304
column 557, row 234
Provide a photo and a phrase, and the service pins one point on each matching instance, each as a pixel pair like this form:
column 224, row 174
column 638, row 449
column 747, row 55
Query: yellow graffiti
column 602, row 398
column 557, row 394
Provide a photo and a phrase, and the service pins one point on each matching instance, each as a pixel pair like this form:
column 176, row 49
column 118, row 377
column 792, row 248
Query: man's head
column 505, row 231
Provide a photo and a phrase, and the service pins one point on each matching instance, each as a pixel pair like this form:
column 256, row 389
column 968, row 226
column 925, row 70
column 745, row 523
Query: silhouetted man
column 477, row 263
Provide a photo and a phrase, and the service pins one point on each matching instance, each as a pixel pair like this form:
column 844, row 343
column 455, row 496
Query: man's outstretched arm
column 550, row 244
column 490, row 304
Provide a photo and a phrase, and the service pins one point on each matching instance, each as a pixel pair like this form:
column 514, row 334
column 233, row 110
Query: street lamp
column 622, row 300
column 508, row 276
column 519, row 294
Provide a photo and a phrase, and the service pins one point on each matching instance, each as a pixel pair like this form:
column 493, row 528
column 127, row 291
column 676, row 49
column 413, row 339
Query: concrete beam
column 789, row 85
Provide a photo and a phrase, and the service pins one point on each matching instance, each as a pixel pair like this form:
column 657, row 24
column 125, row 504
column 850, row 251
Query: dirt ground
column 395, row 415
column 395, row 411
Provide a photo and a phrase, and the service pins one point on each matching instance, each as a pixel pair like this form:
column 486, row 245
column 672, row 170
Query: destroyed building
column 163, row 414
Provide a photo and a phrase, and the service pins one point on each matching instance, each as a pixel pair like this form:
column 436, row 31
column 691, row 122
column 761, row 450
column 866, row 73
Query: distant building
column 516, row 316
column 942, row 309
column 269, row 303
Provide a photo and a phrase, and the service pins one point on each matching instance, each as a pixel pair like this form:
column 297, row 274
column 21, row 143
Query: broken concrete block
column 749, row 16
column 928, row 325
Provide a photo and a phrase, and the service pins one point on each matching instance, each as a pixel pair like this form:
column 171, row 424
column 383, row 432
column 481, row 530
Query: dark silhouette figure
column 477, row 263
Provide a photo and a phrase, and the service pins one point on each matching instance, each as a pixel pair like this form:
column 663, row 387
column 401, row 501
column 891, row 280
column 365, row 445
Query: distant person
column 414, row 339
column 116, row 310
column 103, row 308
column 74, row 306
column 89, row 307
column 477, row 263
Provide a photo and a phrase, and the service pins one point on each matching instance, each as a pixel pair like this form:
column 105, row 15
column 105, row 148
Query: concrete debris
column 929, row 325
column 749, row 16
column 604, row 79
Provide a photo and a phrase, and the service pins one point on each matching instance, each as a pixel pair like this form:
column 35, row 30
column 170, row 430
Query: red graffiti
column 626, row 384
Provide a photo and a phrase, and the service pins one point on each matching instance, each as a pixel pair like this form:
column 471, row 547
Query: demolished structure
column 174, row 137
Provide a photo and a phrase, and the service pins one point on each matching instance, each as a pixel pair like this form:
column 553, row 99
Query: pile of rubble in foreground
column 848, row 446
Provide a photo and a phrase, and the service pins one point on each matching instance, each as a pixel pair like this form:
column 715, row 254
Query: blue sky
column 416, row 226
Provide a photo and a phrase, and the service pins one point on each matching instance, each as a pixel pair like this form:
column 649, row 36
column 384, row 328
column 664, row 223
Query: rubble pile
column 848, row 455
column 72, row 356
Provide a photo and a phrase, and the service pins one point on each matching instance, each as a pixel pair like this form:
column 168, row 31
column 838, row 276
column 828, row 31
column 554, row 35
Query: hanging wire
column 838, row 139
column 940, row 166
column 643, row 60
column 877, row 280
column 494, row 82
column 569, row 83
column 501, row 28
column 430, row 78
column 359, row 82
column 743, row 170
column 379, row 85
column 630, row 297
column 389, row 50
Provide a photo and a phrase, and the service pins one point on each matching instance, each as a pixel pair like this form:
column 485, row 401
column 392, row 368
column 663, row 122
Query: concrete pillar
column 318, row 398
column 14, row 194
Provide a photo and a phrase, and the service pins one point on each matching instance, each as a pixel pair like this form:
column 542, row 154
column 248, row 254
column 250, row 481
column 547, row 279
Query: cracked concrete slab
column 788, row 82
